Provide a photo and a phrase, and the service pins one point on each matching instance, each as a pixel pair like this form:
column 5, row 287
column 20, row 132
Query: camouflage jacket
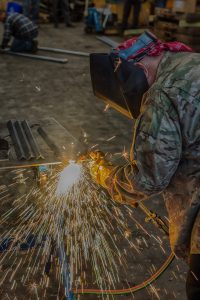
column 165, row 155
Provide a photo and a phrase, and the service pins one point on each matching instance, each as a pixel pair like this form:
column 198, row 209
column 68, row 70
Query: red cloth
column 155, row 49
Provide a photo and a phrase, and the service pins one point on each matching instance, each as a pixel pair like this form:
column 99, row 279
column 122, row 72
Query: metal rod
column 107, row 41
column 24, row 141
column 38, row 57
column 31, row 140
column 48, row 140
column 55, row 50
column 16, row 140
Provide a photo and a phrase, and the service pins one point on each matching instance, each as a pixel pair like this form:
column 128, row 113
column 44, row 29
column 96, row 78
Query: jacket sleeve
column 155, row 154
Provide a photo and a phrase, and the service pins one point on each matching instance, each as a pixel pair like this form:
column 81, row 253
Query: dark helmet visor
column 121, row 86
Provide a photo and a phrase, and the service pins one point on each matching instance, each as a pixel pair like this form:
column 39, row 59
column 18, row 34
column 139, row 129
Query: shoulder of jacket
column 156, row 96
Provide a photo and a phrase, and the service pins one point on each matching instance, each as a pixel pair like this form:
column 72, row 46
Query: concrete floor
column 31, row 89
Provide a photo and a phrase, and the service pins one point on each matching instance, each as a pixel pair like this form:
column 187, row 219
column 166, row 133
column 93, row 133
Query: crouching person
column 23, row 31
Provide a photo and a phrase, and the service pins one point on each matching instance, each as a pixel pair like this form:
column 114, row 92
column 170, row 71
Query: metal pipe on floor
column 62, row 51
column 38, row 57
column 107, row 41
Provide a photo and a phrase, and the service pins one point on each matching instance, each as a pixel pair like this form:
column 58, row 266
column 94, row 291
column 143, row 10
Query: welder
column 158, row 85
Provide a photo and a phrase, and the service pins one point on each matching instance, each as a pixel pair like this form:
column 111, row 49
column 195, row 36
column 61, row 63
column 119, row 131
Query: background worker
column 31, row 9
column 128, row 4
column 23, row 30
column 61, row 8
column 158, row 85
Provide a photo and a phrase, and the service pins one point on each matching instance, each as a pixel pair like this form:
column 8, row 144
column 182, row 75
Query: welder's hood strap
column 148, row 44
column 136, row 48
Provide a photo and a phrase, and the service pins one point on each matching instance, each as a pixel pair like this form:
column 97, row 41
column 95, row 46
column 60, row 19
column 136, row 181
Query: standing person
column 61, row 7
column 126, row 12
column 23, row 30
column 157, row 84
column 31, row 9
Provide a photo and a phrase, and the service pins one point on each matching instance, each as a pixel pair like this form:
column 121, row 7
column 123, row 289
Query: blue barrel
column 14, row 7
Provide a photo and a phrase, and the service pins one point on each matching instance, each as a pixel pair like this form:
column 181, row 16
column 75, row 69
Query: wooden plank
column 164, row 35
column 192, row 18
column 184, row 6
column 189, row 31
column 163, row 11
column 184, row 23
column 187, row 39
column 133, row 32
column 162, row 25
column 111, row 31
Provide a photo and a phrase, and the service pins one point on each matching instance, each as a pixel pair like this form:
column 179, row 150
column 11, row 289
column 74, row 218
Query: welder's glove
column 99, row 167
column 103, row 173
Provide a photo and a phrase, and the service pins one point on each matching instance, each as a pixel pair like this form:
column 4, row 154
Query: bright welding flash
column 70, row 176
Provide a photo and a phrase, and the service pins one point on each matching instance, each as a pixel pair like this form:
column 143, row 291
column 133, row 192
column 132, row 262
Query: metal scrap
column 48, row 140
column 107, row 41
column 24, row 143
column 31, row 140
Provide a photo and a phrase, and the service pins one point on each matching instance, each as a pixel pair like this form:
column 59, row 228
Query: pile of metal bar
column 25, row 145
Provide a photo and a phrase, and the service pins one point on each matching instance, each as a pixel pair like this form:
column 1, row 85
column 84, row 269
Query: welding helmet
column 119, row 81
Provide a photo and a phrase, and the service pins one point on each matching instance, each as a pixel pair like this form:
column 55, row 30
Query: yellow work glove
column 99, row 167
column 100, row 170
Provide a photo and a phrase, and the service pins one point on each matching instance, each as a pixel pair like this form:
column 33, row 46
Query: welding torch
column 100, row 170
